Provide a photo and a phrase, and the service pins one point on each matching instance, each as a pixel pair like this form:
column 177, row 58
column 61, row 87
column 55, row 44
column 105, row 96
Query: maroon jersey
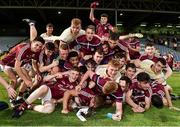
column 158, row 89
column 21, row 52
column 170, row 61
column 118, row 95
column 133, row 44
column 85, row 96
column 88, row 47
column 108, row 57
column 100, row 82
column 138, row 94
column 67, row 66
column 61, row 86
column 102, row 29
column 145, row 56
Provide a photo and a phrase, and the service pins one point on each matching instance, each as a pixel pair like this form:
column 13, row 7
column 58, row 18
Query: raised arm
column 91, row 15
column 93, row 6
column 139, row 35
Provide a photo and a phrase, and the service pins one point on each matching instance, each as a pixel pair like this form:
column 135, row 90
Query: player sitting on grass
column 45, row 92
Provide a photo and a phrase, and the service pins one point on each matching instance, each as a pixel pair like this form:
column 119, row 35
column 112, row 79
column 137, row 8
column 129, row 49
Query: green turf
column 153, row 117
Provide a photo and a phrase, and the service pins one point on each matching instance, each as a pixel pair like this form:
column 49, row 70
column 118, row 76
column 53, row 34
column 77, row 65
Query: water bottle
column 109, row 115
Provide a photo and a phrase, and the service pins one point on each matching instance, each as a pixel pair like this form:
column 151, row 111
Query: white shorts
column 47, row 97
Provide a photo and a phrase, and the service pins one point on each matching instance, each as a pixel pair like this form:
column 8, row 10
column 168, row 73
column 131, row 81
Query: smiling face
column 150, row 50
column 63, row 53
column 49, row 30
column 36, row 46
column 144, row 85
column 74, row 61
column 73, row 75
column 122, row 84
column 130, row 72
column 158, row 67
column 48, row 52
column 112, row 71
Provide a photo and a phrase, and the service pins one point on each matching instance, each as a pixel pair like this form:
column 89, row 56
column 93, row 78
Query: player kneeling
column 139, row 93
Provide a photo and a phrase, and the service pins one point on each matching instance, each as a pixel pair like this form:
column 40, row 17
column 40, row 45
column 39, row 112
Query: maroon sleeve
column 118, row 95
column 99, row 80
column 21, row 51
column 131, row 87
column 148, row 92
column 96, row 21
column 72, row 44
column 138, row 44
column 110, row 26
column 95, row 77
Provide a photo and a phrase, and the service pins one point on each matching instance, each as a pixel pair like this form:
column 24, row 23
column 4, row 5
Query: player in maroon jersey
column 102, row 27
column 47, row 93
column 108, row 53
column 97, row 57
column 72, row 60
column 149, row 52
column 19, row 56
column 159, row 97
column 131, row 42
column 47, row 59
column 139, row 93
column 130, row 70
column 88, row 42
column 85, row 97
column 169, row 59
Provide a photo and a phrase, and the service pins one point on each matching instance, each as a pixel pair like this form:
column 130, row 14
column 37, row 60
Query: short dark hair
column 150, row 44
column 40, row 39
column 106, row 43
column 75, row 69
column 99, row 51
column 49, row 25
column 57, row 42
column 72, row 54
column 104, row 15
column 162, row 60
column 50, row 46
column 157, row 101
column 83, row 69
column 90, row 27
column 119, row 55
column 128, row 80
column 130, row 65
column 91, row 61
column 143, row 76
column 114, row 36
